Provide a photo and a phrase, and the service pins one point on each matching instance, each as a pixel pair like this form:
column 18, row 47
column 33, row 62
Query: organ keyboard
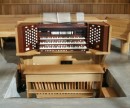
column 62, row 37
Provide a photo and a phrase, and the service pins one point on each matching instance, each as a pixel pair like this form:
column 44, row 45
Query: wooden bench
column 6, row 30
column 51, row 81
column 8, row 24
column 121, row 31
column 7, row 27
column 107, row 92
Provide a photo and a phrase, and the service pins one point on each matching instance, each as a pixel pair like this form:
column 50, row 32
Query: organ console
column 63, row 37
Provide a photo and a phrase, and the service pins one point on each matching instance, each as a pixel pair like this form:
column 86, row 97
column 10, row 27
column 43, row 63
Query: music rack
column 63, row 37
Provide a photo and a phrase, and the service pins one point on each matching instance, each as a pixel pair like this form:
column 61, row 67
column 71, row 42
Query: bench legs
column 124, row 47
column 1, row 43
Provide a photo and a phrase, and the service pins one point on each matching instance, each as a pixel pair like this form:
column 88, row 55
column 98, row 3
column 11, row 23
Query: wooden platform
column 49, row 81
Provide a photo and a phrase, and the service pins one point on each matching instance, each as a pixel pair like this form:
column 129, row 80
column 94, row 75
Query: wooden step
column 108, row 92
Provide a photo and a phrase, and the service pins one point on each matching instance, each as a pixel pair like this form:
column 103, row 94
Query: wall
column 86, row 6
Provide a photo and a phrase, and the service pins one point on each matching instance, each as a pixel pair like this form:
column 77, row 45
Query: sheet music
column 63, row 17
column 49, row 18
column 56, row 17
column 80, row 16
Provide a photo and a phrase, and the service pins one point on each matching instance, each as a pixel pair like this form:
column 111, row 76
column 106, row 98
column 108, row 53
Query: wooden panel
column 87, row 6
column 64, row 1
column 51, row 60
column 62, row 69
column 74, row 95
column 58, row 91
column 63, row 78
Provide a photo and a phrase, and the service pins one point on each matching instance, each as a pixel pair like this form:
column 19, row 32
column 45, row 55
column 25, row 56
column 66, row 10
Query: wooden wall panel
column 86, row 6
column 64, row 1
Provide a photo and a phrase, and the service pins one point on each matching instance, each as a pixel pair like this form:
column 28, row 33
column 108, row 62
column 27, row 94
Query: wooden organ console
column 68, row 37
column 80, row 39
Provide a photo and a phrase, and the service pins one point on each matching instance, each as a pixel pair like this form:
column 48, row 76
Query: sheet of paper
column 80, row 16
column 49, row 17
column 63, row 17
